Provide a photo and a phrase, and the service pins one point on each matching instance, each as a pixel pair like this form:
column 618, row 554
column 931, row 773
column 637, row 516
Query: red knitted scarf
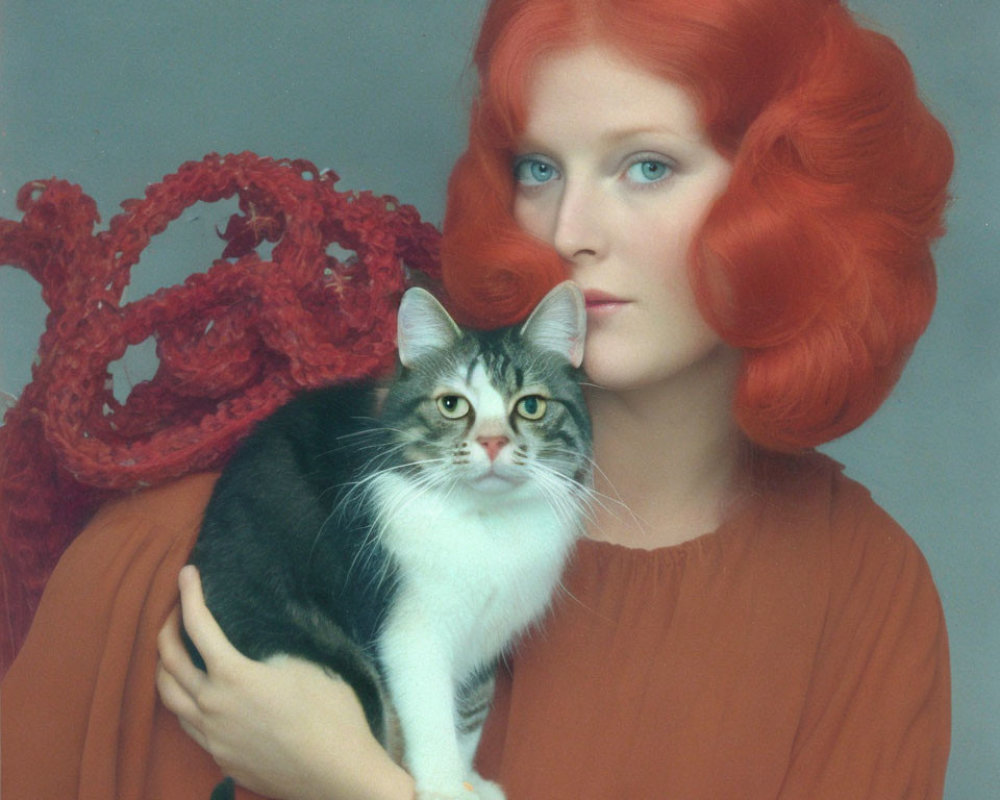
column 233, row 343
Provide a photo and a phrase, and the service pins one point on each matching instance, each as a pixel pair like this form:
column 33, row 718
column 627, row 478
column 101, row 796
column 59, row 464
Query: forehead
column 592, row 92
column 499, row 357
column 486, row 391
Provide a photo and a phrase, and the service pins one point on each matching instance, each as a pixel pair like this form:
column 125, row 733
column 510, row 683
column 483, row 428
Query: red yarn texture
column 233, row 343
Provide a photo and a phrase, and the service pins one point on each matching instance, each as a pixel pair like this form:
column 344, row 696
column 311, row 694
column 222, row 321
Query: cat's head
column 492, row 410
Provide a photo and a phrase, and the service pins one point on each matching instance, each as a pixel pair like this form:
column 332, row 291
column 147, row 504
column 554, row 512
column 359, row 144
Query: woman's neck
column 667, row 457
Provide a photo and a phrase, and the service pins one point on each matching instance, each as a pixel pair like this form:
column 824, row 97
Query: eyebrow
column 614, row 137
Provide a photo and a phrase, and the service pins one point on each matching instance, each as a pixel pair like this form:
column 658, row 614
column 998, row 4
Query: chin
column 613, row 377
column 493, row 484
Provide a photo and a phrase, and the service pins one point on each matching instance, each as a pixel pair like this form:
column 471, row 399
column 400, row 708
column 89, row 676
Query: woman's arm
column 285, row 728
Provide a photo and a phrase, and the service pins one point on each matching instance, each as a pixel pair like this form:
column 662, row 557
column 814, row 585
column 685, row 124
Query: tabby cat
column 403, row 538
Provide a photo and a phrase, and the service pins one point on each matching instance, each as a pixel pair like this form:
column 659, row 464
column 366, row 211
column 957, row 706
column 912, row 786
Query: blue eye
column 531, row 171
column 649, row 170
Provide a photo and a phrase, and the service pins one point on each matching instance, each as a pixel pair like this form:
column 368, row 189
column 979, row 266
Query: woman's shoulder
column 868, row 566
column 153, row 525
column 825, row 530
column 84, row 677
column 814, row 494
column 173, row 501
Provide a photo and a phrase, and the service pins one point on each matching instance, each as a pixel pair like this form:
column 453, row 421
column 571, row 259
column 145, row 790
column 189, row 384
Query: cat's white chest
column 473, row 571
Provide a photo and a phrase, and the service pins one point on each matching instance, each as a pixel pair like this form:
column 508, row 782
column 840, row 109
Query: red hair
column 816, row 259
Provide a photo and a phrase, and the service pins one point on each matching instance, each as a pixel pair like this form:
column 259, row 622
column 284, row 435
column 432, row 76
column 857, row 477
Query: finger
column 199, row 623
column 176, row 699
column 169, row 635
column 183, row 706
column 195, row 734
column 174, row 656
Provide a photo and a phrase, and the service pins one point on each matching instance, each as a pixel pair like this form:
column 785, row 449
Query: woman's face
column 615, row 171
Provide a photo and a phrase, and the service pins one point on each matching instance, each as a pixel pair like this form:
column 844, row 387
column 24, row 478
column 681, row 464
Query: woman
column 746, row 191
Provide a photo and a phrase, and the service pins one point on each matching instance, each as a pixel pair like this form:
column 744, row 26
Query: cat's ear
column 559, row 323
column 422, row 326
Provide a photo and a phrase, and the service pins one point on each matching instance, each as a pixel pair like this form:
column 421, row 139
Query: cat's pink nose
column 493, row 445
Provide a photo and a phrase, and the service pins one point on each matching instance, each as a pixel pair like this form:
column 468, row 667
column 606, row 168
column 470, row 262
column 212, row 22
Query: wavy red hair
column 816, row 259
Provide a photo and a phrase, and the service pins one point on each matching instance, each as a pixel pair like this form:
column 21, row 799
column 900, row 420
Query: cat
column 404, row 537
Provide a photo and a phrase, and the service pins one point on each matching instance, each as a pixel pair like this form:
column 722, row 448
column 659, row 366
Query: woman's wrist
column 372, row 776
column 394, row 783
column 387, row 780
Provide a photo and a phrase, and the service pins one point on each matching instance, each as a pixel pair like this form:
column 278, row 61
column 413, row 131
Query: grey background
column 113, row 94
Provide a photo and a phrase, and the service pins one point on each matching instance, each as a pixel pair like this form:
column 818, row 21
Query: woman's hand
column 284, row 729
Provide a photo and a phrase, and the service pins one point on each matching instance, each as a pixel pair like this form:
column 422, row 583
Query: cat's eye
column 531, row 407
column 453, row 406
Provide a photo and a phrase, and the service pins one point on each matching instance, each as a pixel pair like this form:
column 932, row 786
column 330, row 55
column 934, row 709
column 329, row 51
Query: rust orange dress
column 799, row 652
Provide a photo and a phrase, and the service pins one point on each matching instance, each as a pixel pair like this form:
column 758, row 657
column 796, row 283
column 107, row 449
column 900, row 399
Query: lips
column 598, row 301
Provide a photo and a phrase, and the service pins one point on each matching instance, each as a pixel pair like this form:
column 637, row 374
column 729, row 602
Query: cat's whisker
column 612, row 504
column 567, row 498
column 615, row 505
column 392, row 507
column 354, row 492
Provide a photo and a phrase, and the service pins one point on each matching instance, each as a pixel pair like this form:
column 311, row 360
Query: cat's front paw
column 476, row 788
column 484, row 789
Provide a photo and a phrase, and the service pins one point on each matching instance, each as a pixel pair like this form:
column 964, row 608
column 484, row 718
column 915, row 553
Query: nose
column 578, row 225
column 493, row 445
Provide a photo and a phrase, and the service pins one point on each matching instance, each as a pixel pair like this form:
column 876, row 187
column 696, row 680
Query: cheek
column 654, row 247
column 679, row 217
column 659, row 240
column 431, row 437
column 531, row 217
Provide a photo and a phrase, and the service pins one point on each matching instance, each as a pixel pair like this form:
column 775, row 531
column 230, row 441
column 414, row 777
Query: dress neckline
column 766, row 471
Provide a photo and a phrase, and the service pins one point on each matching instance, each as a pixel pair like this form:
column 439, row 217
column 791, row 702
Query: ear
column 422, row 326
column 559, row 323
